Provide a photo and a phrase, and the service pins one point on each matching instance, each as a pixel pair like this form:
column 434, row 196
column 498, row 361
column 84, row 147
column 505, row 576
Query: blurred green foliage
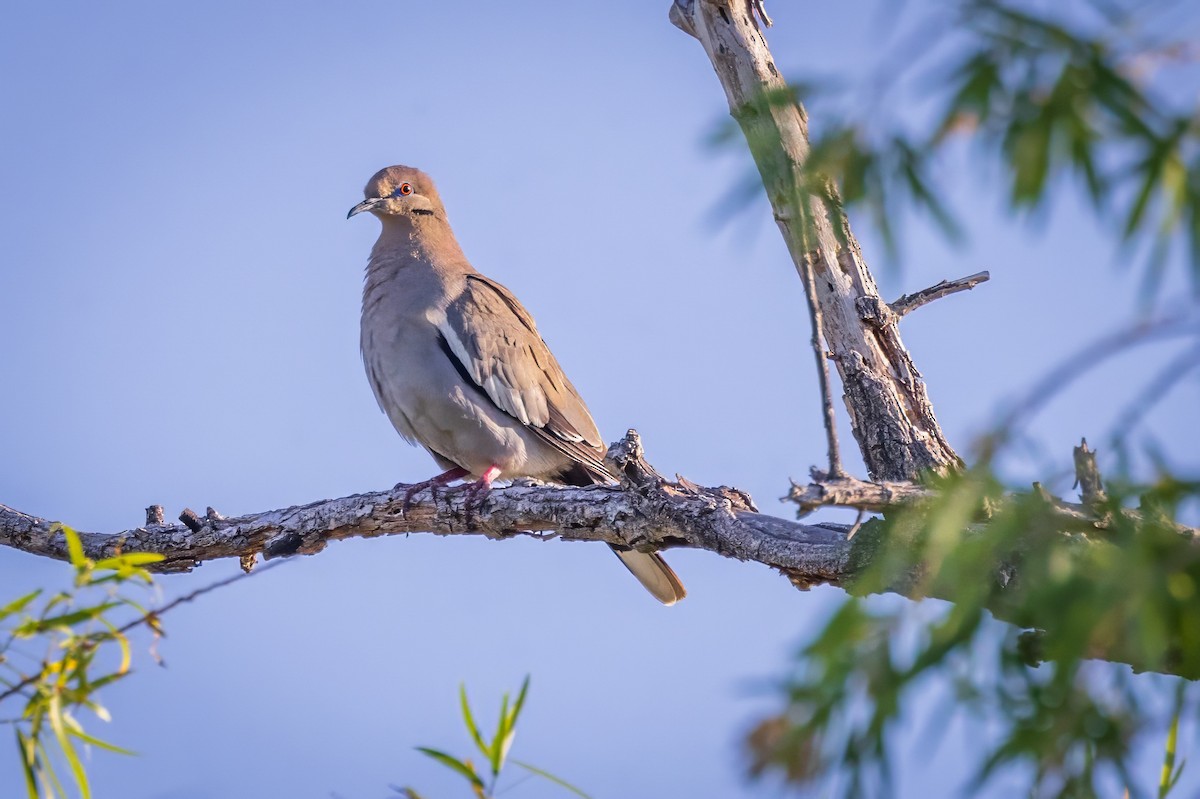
column 81, row 634
column 1125, row 591
column 1050, row 609
column 1037, row 98
column 494, row 751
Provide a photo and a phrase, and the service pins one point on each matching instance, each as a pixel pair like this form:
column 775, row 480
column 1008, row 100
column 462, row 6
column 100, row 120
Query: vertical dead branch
column 890, row 412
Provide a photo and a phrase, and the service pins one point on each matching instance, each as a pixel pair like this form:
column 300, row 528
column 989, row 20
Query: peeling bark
column 645, row 512
column 890, row 412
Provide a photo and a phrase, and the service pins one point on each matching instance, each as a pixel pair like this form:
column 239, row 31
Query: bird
column 457, row 364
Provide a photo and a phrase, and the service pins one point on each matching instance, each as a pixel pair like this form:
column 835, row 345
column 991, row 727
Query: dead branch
column 908, row 303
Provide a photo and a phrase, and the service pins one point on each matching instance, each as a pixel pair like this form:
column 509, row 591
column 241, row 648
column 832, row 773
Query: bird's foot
column 448, row 476
column 477, row 491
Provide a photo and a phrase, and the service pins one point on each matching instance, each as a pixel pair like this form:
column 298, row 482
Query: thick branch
column 890, row 412
column 646, row 512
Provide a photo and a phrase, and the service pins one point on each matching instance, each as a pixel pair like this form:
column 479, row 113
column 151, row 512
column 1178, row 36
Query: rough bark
column 890, row 411
column 646, row 512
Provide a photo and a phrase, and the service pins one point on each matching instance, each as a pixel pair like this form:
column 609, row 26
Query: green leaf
column 520, row 703
column 1169, row 775
column 548, row 776
column 501, row 740
column 19, row 604
column 470, row 720
column 130, row 559
column 454, row 764
column 507, row 729
column 49, row 775
column 94, row 741
column 1030, row 154
column 68, row 619
column 74, row 547
column 28, row 760
column 55, row 714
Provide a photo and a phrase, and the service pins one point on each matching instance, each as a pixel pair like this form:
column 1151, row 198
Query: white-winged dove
column 457, row 364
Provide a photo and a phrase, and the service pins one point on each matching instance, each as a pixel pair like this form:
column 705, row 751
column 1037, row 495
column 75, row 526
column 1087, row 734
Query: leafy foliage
column 77, row 630
column 494, row 751
column 1041, row 99
column 1039, row 591
column 1127, row 591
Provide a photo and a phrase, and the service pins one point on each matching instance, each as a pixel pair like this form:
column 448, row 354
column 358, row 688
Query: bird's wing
column 495, row 345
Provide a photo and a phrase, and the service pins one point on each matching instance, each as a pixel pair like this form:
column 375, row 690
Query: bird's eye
column 403, row 190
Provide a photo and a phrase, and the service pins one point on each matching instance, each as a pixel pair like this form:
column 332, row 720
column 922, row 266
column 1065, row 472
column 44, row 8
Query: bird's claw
column 410, row 491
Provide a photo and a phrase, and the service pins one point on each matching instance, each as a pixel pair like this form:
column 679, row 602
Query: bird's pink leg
column 479, row 489
column 448, row 476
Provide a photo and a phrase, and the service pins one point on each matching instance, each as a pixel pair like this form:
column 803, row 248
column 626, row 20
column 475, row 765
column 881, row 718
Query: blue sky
column 180, row 326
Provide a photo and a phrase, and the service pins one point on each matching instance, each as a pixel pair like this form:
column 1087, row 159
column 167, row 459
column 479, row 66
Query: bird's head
column 400, row 191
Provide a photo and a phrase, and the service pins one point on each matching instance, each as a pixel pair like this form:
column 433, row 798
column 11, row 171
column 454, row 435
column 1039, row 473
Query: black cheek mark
column 422, row 211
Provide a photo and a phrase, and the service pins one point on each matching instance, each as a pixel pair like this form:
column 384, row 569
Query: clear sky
column 180, row 294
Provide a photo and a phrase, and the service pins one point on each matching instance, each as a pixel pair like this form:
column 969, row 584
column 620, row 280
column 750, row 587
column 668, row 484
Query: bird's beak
column 365, row 205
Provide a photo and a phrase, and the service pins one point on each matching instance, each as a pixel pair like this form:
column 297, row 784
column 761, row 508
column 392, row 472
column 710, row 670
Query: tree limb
column 907, row 303
column 890, row 412
column 646, row 512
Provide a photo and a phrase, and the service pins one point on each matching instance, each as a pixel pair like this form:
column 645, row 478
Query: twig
column 850, row 492
column 149, row 618
column 759, row 8
column 1087, row 475
column 908, row 303
column 858, row 520
column 819, row 351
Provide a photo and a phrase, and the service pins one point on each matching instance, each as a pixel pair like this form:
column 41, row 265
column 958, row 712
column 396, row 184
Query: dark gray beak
column 365, row 205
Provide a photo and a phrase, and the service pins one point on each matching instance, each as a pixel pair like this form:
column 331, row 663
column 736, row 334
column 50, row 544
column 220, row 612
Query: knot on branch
column 628, row 457
column 874, row 311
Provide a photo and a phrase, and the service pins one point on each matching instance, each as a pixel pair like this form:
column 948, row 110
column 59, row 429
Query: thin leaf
column 516, row 708
column 454, row 764
column 508, row 723
column 498, row 750
column 53, row 785
column 94, row 741
column 122, row 642
column 548, row 776
column 55, row 715
column 19, row 604
column 1169, row 775
column 469, row 720
column 74, row 547
column 69, row 619
column 28, row 759
column 130, row 559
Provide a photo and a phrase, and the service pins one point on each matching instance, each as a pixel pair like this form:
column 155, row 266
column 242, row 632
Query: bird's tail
column 654, row 574
column 648, row 567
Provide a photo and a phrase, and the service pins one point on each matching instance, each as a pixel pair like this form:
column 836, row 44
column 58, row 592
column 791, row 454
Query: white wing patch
column 524, row 405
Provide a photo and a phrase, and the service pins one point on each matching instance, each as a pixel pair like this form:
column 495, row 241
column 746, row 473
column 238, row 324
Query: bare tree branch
column 645, row 512
column 890, row 412
column 650, row 514
column 907, row 303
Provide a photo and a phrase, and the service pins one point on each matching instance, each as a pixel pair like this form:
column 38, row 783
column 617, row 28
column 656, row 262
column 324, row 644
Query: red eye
column 405, row 189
